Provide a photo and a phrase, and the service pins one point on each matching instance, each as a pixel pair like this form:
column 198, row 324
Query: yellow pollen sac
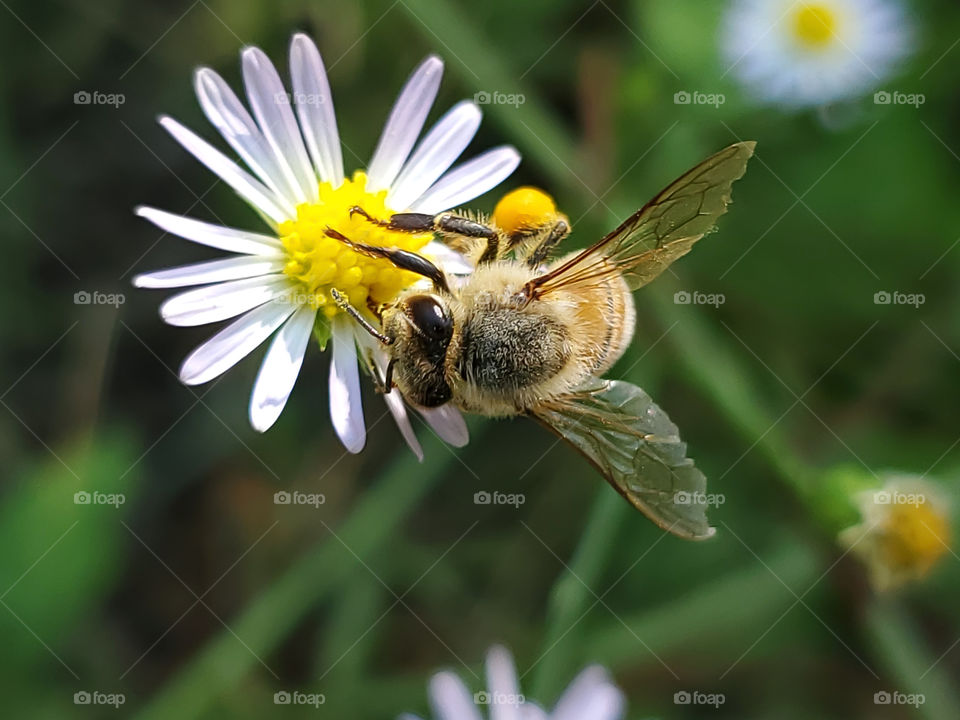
column 319, row 262
column 914, row 537
column 524, row 208
column 814, row 24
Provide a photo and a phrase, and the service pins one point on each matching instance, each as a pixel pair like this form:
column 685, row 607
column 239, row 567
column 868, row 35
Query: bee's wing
column 661, row 231
column 636, row 447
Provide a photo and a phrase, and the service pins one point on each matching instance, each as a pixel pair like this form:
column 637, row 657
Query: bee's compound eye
column 429, row 317
column 525, row 208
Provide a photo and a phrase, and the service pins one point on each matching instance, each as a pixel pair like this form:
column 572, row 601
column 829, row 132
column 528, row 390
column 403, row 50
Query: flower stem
column 573, row 591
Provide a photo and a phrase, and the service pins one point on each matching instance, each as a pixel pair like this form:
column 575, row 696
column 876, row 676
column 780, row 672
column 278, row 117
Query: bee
column 525, row 334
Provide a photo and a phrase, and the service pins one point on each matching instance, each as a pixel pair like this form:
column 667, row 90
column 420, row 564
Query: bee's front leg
column 384, row 384
column 403, row 259
column 444, row 223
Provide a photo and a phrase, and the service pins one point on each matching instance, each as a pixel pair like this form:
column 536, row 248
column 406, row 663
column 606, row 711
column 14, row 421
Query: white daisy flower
column 905, row 530
column 591, row 696
column 800, row 53
column 278, row 283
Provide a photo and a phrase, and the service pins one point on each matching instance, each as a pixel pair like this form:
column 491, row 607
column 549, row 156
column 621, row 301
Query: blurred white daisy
column 279, row 283
column 905, row 530
column 591, row 696
column 800, row 53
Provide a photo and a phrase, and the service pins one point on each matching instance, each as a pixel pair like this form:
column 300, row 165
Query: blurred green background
column 199, row 597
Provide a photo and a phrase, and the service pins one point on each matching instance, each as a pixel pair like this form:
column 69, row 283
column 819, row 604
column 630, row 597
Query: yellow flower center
column 319, row 262
column 914, row 536
column 814, row 25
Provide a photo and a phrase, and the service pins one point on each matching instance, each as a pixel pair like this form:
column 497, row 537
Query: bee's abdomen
column 503, row 350
column 605, row 316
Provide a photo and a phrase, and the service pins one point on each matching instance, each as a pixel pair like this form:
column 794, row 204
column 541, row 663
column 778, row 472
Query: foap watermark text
column 884, row 297
column 485, row 497
column 82, row 497
column 96, row 697
column 95, row 297
column 695, row 297
column 296, row 697
column 498, row 698
column 895, row 97
column 885, row 697
column 499, row 98
column 95, row 97
column 684, row 497
column 295, row 497
column 894, row 497
column 696, row 97
column 695, row 697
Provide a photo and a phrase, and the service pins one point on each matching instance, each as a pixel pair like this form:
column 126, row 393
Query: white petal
column 532, row 711
column 591, row 696
column 404, row 124
column 606, row 703
column 469, row 180
column 375, row 359
column 447, row 423
column 502, row 682
column 271, row 106
column 346, row 408
column 280, row 368
column 233, row 343
column 250, row 189
column 435, row 154
column 446, row 258
column 314, row 102
column 450, row 698
column 233, row 268
column 398, row 409
column 230, row 117
column 215, row 236
column 223, row 300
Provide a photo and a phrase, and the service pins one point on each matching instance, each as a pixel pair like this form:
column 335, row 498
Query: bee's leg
column 445, row 223
column 344, row 304
column 383, row 384
column 557, row 232
column 388, row 375
column 403, row 259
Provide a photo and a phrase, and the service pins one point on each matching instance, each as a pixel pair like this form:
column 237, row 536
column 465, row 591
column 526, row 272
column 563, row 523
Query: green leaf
column 62, row 531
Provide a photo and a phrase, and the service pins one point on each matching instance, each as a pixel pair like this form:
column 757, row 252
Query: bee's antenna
column 344, row 304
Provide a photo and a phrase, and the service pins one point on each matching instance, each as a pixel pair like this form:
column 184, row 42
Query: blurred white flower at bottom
column 591, row 696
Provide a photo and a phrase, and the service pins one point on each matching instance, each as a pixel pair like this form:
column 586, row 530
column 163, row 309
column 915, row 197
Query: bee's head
column 421, row 327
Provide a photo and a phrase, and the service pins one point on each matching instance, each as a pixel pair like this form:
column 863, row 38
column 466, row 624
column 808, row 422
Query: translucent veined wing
column 658, row 233
column 637, row 448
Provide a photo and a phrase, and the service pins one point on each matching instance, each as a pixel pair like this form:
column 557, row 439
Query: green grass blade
column 316, row 574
